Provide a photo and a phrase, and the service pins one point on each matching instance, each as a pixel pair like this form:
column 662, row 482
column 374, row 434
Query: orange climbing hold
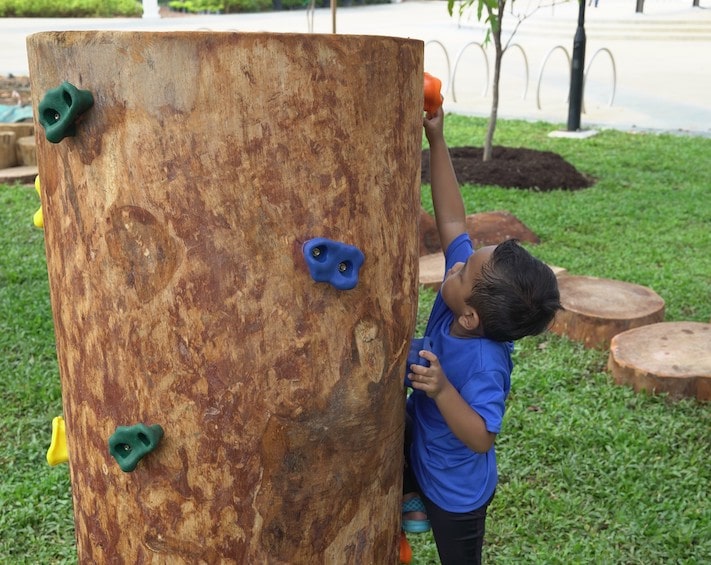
column 433, row 93
column 405, row 550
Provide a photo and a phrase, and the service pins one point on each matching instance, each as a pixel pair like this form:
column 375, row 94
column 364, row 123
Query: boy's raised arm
column 448, row 205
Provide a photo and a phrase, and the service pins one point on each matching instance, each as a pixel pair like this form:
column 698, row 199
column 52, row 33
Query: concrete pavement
column 649, row 71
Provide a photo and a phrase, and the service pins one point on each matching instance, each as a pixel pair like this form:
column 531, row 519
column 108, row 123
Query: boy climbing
column 488, row 299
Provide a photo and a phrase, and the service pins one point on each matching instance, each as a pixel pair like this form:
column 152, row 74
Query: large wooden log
column 175, row 221
column 597, row 309
column 670, row 357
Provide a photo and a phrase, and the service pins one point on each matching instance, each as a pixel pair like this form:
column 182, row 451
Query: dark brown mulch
column 513, row 167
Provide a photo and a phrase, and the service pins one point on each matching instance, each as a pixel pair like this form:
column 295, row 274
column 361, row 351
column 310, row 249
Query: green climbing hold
column 60, row 109
column 129, row 444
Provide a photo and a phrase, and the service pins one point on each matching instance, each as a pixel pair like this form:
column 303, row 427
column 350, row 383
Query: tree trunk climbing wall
column 207, row 198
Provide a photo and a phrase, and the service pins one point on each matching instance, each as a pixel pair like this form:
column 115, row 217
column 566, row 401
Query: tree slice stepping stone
column 21, row 129
column 22, row 175
column 432, row 270
column 491, row 228
column 597, row 309
column 26, row 153
column 429, row 237
column 8, row 157
column 485, row 228
column 671, row 357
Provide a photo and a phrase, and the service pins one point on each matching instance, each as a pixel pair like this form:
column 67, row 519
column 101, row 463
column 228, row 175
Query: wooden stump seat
column 21, row 129
column 432, row 270
column 597, row 309
column 7, row 149
column 671, row 357
column 485, row 228
column 12, row 135
column 26, row 153
column 22, row 175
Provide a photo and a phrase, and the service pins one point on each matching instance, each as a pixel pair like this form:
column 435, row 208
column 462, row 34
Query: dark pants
column 459, row 536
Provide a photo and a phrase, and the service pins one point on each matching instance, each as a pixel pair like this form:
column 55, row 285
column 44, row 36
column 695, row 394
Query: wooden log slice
column 597, row 309
column 26, row 153
column 432, row 270
column 492, row 228
column 21, row 129
column 671, row 357
column 8, row 157
column 22, row 175
column 485, row 228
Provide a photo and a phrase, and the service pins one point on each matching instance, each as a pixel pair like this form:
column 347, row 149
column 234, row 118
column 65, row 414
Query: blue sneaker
column 415, row 526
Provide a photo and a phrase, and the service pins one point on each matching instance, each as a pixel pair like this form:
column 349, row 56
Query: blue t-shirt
column 450, row 474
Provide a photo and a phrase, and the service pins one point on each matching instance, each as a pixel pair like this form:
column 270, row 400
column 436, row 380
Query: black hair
column 517, row 295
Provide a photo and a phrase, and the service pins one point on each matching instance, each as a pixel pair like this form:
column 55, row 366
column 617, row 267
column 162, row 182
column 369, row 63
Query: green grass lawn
column 590, row 472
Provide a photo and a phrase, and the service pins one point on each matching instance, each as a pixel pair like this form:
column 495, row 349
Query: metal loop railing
column 446, row 57
column 614, row 74
column 543, row 66
column 458, row 60
column 310, row 11
column 525, row 63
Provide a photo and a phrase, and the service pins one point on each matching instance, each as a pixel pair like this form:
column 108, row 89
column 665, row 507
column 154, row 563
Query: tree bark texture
column 175, row 220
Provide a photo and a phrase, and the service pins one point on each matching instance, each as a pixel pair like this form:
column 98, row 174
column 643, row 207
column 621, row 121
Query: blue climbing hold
column 413, row 357
column 333, row 262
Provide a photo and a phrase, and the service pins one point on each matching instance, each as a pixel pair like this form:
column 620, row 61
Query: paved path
column 644, row 71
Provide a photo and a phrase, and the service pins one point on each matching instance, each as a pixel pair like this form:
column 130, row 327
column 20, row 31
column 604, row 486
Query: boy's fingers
column 431, row 357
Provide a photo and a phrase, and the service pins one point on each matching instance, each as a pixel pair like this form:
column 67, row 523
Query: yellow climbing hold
column 57, row 452
column 37, row 218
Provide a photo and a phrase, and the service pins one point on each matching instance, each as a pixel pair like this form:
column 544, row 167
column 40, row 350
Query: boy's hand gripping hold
column 430, row 380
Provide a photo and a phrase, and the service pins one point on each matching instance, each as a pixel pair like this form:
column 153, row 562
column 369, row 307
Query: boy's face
column 459, row 280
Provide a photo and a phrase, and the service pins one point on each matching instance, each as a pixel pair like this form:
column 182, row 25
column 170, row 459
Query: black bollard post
column 577, row 72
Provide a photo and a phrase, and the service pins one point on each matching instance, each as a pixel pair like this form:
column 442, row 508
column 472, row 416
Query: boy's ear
column 469, row 319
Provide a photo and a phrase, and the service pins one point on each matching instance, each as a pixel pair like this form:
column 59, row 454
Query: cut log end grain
column 8, row 158
column 432, row 270
column 597, row 309
column 25, row 149
column 668, row 357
